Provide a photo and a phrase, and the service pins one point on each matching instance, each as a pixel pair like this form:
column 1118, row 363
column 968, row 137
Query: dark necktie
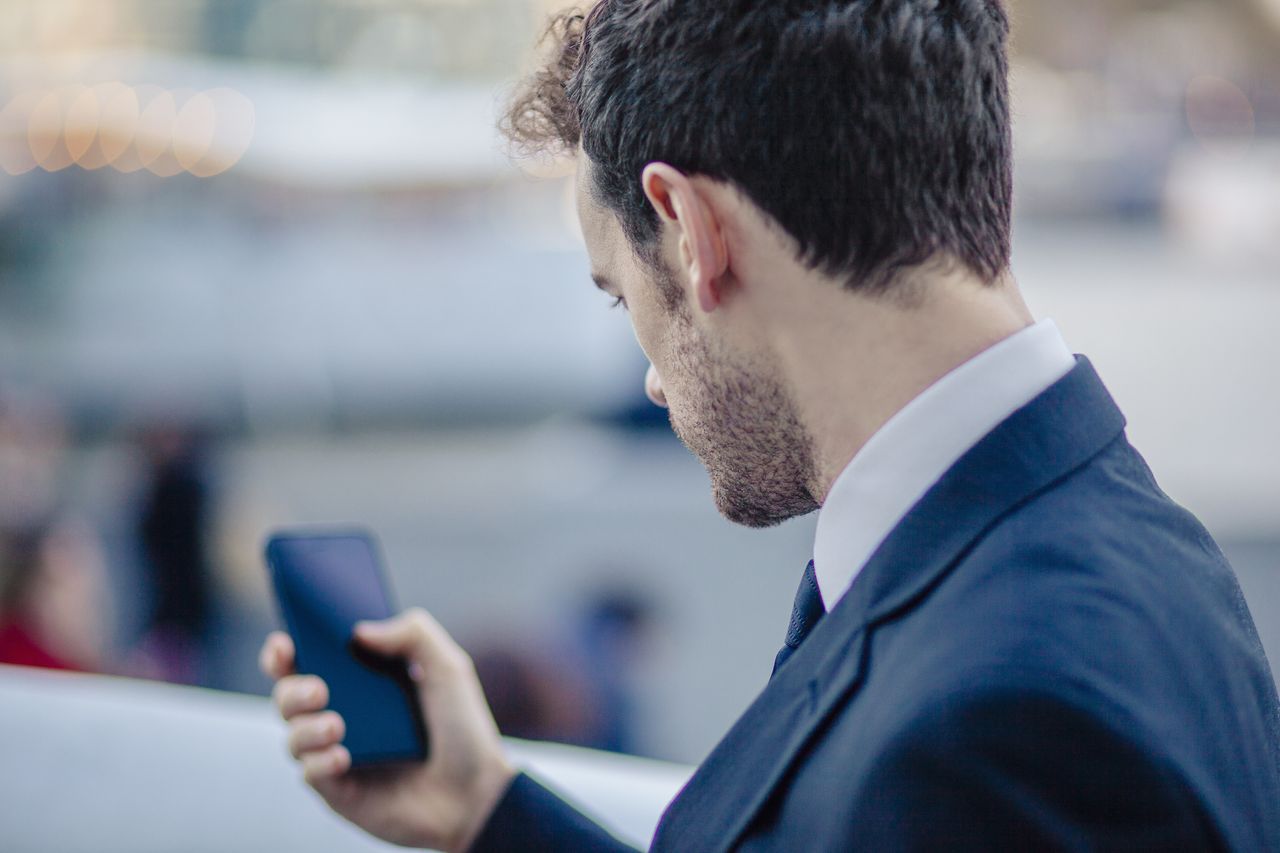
column 805, row 613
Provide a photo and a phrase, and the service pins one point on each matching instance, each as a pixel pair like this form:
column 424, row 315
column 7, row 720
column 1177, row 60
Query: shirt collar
column 917, row 445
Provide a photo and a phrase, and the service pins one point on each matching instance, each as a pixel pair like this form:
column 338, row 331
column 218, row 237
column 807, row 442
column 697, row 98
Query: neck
column 854, row 361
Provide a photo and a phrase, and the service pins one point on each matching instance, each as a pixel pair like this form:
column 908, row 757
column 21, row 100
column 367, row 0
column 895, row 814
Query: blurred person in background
column 54, row 608
column 173, row 536
column 1008, row 637
column 535, row 697
column 612, row 634
column 577, row 690
column 32, row 452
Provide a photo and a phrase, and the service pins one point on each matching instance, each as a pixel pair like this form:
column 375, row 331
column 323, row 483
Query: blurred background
column 265, row 263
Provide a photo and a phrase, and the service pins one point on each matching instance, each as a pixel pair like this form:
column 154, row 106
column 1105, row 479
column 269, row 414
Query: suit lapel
column 1053, row 435
column 731, row 785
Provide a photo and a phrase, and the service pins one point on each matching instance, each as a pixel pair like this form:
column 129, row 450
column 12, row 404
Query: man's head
column 732, row 153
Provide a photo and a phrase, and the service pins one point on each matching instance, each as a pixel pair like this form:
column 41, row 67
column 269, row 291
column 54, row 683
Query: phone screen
column 324, row 584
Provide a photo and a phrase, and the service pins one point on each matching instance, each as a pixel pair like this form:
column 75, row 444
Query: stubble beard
column 739, row 420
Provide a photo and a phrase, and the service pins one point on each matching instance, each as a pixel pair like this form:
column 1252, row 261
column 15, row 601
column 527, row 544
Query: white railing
column 105, row 764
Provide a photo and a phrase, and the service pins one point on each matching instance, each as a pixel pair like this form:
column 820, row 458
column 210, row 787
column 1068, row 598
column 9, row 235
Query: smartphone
column 324, row 583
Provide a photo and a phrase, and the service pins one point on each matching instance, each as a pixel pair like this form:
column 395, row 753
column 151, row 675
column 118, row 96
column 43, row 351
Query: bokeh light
column 128, row 128
column 193, row 130
column 16, row 156
column 80, row 124
column 232, row 123
column 1218, row 110
column 131, row 159
column 46, row 124
column 117, row 121
column 154, row 139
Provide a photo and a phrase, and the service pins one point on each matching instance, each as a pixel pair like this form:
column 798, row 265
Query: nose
column 653, row 387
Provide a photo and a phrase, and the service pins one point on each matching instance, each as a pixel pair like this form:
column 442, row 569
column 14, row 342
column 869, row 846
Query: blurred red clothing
column 17, row 646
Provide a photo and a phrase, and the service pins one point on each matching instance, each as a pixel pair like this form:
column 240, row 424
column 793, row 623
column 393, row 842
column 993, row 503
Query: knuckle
column 319, row 766
column 291, row 700
column 309, row 734
column 463, row 663
column 419, row 622
column 456, row 657
column 270, row 652
column 301, row 739
column 297, row 694
column 278, row 693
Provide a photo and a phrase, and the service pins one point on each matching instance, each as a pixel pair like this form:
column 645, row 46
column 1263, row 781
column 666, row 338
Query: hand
column 442, row 803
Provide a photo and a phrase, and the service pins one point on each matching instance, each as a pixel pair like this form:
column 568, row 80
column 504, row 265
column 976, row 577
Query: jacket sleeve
column 1025, row 771
column 531, row 818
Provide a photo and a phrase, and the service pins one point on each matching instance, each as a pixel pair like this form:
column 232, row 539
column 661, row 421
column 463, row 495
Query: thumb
column 413, row 634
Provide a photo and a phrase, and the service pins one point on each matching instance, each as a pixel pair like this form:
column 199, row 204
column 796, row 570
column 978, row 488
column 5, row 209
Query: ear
column 702, row 249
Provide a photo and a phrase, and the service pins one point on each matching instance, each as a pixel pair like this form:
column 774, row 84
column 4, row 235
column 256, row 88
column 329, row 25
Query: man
column 1008, row 637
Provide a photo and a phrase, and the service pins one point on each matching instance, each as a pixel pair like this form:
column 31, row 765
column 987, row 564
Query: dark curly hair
column 874, row 132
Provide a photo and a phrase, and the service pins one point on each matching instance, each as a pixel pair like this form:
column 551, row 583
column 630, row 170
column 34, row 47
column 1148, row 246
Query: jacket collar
column 1035, row 447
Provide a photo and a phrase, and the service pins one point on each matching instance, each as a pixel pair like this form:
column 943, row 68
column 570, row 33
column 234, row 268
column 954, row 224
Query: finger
column 315, row 732
column 323, row 767
column 299, row 694
column 415, row 635
column 276, row 657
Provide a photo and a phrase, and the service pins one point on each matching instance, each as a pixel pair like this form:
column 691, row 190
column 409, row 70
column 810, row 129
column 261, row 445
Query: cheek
column 653, row 377
column 648, row 335
column 660, row 337
column 657, row 331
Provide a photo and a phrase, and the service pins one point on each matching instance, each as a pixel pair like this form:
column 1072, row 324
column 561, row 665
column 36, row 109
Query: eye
column 619, row 302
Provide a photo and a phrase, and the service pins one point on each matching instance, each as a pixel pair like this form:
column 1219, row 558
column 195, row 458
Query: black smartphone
column 325, row 582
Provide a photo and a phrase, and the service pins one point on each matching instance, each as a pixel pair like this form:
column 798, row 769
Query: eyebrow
column 601, row 282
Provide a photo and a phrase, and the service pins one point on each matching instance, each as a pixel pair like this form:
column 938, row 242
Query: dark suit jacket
column 1047, row 653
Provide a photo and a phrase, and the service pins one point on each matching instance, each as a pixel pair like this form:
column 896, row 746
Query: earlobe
column 706, row 288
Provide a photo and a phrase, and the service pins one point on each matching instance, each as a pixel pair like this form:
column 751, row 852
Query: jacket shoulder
column 1017, row 763
column 1098, row 617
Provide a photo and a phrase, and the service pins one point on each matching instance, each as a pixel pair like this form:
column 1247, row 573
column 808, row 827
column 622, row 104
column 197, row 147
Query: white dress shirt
column 916, row 446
